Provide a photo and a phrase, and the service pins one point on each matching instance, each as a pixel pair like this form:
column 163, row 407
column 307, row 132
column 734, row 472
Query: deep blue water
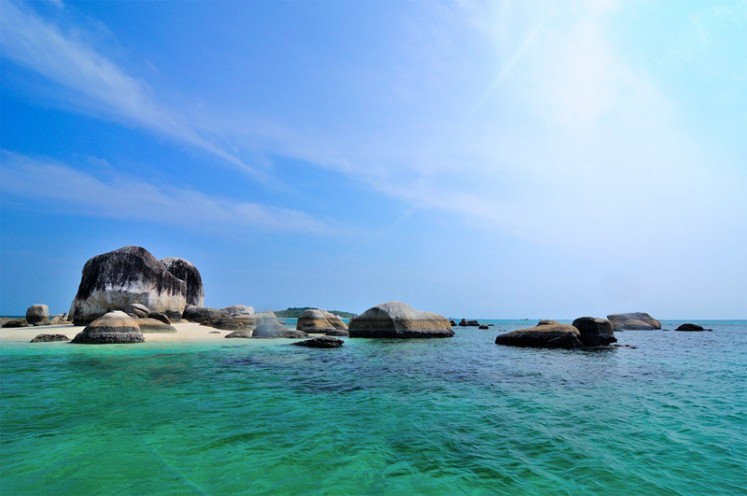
column 444, row 416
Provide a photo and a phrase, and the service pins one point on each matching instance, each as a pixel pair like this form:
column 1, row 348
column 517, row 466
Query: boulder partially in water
column 595, row 331
column 187, row 272
column 690, row 328
column 321, row 342
column 37, row 314
column 316, row 320
column 638, row 321
column 49, row 338
column 399, row 320
column 113, row 327
column 469, row 323
column 129, row 275
column 544, row 336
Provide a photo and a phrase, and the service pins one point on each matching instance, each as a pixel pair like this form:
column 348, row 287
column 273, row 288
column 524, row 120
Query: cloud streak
column 119, row 197
column 46, row 49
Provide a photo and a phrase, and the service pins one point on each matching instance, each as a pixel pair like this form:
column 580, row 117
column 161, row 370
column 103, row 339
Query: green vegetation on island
column 295, row 312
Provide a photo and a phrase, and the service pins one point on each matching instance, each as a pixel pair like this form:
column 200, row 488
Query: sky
column 505, row 159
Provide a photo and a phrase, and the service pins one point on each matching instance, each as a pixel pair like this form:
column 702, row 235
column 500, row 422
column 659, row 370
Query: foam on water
column 446, row 416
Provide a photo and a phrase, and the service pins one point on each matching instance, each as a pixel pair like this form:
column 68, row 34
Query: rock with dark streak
column 115, row 280
column 187, row 272
column 113, row 327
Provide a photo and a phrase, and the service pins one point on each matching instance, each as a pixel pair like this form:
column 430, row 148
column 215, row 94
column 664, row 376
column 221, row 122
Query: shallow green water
column 450, row 416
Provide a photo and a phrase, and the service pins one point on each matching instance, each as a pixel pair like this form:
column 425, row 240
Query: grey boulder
column 399, row 320
column 638, row 321
column 37, row 314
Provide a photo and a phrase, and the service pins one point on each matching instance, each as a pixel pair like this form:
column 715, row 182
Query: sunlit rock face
column 120, row 278
column 399, row 320
column 638, row 321
column 111, row 328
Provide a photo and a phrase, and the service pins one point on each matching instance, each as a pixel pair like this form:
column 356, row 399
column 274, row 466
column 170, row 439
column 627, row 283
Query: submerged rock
column 690, row 328
column 113, row 327
column 37, row 314
column 483, row 327
column 187, row 272
column 544, row 336
column 120, row 278
column 399, row 320
column 595, row 331
column 321, row 342
column 49, row 338
column 638, row 321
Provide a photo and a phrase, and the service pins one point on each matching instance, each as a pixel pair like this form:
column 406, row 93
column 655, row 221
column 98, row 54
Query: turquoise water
column 446, row 416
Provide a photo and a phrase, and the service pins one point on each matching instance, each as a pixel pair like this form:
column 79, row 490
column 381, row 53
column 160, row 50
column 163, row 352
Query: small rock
column 48, row 338
column 37, row 313
column 160, row 316
column 483, row 326
column 16, row 323
column 321, row 342
column 690, row 328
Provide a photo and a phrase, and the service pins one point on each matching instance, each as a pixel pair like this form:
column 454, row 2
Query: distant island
column 295, row 312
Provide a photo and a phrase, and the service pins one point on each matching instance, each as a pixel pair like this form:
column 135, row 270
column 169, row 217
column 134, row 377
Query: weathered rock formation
column 160, row 316
column 37, row 314
column 544, row 336
column 321, row 342
column 113, row 327
column 188, row 273
column 268, row 326
column 230, row 318
column 399, row 320
column 320, row 321
column 115, row 280
column 149, row 325
column 137, row 310
column 49, row 338
column 638, row 321
column 595, row 331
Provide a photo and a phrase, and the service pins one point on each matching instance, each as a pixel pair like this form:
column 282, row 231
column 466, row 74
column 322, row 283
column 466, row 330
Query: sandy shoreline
column 185, row 331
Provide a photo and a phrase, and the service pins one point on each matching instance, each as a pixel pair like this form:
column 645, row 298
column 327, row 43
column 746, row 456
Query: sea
column 666, row 414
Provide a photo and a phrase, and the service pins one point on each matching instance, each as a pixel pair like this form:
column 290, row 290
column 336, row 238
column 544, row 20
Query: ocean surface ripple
column 445, row 416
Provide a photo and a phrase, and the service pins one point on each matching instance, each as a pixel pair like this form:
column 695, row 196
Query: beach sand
column 185, row 331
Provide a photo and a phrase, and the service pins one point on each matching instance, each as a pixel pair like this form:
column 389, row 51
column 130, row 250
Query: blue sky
column 489, row 159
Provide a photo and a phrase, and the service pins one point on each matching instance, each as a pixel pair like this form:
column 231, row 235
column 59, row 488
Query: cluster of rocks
column 36, row 315
column 233, row 318
column 584, row 332
column 267, row 326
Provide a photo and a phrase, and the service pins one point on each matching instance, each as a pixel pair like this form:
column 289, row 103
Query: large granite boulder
column 113, row 327
column 37, row 314
column 319, row 321
column 49, row 338
column 595, row 331
column 399, row 320
column 188, row 273
column 544, row 336
column 115, row 280
column 321, row 342
column 638, row 321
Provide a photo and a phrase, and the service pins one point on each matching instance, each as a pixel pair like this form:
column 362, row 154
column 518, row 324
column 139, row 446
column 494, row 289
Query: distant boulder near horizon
column 635, row 321
column 395, row 319
column 129, row 276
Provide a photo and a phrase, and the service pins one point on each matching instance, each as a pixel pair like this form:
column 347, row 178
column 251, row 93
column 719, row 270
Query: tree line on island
column 128, row 292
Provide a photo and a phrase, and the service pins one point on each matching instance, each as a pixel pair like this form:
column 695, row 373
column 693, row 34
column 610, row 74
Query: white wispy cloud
column 112, row 195
column 65, row 59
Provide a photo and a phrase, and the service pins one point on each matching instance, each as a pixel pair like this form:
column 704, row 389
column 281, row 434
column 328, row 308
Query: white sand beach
column 185, row 331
